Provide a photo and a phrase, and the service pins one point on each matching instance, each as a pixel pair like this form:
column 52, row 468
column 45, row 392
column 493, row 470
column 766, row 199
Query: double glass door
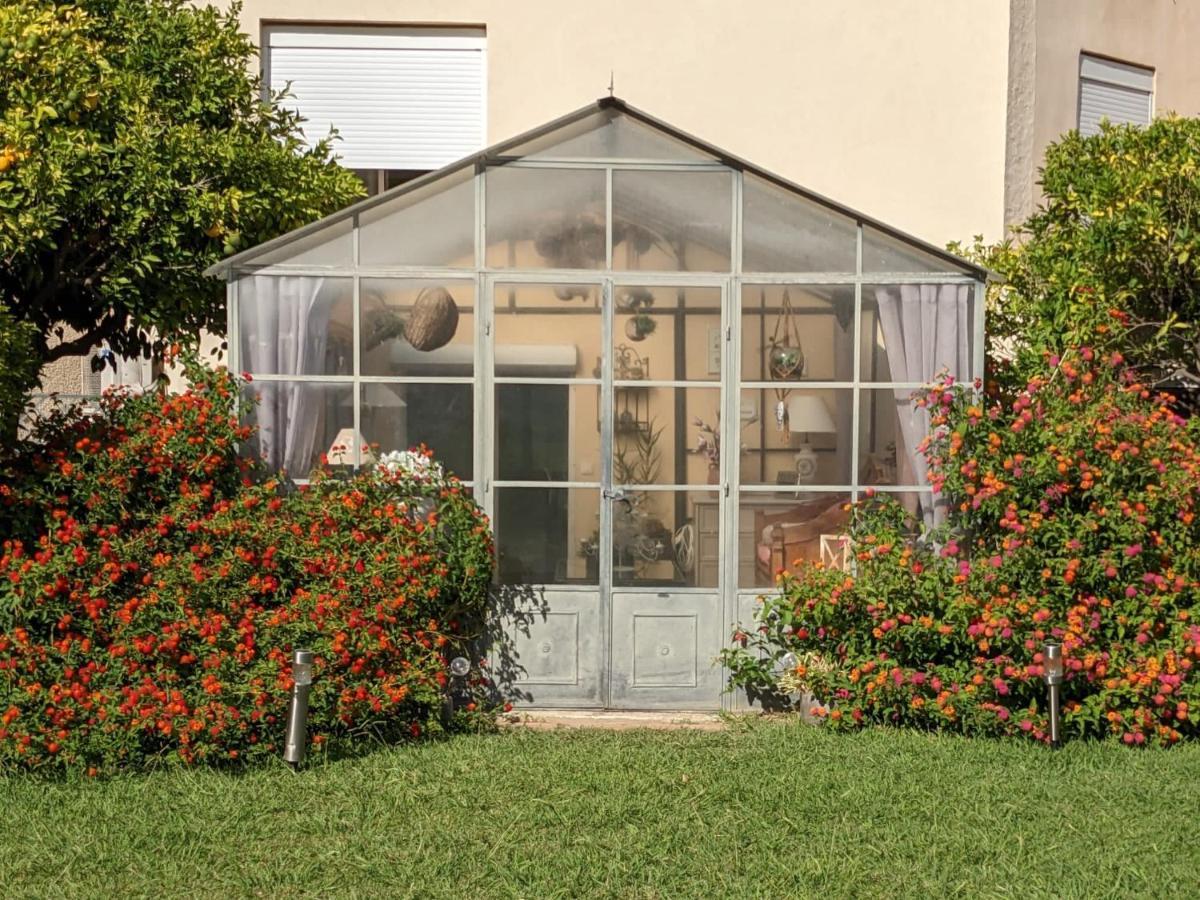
column 606, row 486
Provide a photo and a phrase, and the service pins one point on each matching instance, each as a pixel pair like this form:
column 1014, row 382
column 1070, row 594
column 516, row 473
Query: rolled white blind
column 1121, row 93
column 400, row 99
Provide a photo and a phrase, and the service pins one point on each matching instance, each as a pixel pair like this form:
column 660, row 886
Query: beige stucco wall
column 894, row 107
column 1047, row 39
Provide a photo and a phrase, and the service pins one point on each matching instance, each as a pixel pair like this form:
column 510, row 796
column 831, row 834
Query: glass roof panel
column 332, row 245
column 785, row 232
column 539, row 218
column 430, row 226
column 884, row 253
column 672, row 221
column 609, row 135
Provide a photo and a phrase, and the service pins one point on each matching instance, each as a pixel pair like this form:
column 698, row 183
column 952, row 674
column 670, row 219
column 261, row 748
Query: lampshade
column 341, row 451
column 808, row 414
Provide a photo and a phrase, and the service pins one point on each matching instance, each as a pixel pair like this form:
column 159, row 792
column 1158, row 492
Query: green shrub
column 1111, row 257
column 1072, row 517
column 156, row 583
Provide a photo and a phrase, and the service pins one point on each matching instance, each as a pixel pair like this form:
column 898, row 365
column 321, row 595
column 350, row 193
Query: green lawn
column 767, row 810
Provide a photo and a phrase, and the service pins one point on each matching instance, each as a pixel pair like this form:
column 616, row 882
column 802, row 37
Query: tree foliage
column 135, row 151
column 18, row 370
column 1111, row 256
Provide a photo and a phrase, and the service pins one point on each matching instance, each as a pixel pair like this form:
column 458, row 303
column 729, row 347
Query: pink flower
column 1133, row 549
column 1131, row 591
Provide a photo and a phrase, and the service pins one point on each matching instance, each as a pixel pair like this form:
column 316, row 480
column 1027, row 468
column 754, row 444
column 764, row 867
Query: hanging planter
column 433, row 321
column 640, row 327
column 785, row 358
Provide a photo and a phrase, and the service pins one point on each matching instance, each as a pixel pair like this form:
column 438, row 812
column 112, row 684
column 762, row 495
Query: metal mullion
column 856, row 395
column 915, row 278
column 233, row 333
column 604, row 569
column 729, row 565
column 569, row 382
column 633, row 165
column 656, row 278
column 979, row 356
column 667, row 488
column 323, row 379
column 357, row 364
column 423, row 272
column 648, row 383
column 527, row 483
column 899, row 488
column 890, row 385
column 608, row 218
column 796, row 385
column 750, row 279
column 518, row 277
column 416, row 379
column 796, row 488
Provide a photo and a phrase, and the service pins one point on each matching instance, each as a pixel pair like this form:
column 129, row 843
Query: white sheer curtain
column 926, row 328
column 285, row 328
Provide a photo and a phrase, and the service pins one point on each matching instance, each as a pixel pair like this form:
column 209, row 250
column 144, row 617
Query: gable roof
column 500, row 151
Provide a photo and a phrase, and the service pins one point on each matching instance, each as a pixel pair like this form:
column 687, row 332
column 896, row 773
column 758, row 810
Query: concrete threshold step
column 615, row 720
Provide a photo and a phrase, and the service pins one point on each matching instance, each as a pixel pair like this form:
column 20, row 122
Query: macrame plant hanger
column 785, row 357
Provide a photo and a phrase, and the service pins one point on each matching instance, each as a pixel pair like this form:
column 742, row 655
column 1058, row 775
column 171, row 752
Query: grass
column 764, row 810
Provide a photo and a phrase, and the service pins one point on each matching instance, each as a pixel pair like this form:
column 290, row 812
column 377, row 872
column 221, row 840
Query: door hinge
column 487, row 327
column 726, row 489
column 728, row 333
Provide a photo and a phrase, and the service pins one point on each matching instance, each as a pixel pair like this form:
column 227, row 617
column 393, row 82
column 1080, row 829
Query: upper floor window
column 1116, row 91
column 404, row 100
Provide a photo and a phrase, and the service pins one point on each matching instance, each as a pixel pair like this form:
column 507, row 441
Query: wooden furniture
column 707, row 513
column 796, row 533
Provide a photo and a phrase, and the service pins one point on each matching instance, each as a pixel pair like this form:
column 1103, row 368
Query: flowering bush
column 154, row 584
column 1072, row 517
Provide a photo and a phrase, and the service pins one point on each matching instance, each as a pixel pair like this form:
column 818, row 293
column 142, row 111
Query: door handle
column 609, row 494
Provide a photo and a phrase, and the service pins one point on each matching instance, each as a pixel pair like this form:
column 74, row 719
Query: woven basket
column 433, row 320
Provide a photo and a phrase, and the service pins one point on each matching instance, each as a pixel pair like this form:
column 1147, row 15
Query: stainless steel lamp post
column 296, row 741
column 1052, row 671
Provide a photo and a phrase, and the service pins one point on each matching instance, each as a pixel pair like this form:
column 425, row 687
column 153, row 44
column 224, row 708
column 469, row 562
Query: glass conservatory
column 662, row 371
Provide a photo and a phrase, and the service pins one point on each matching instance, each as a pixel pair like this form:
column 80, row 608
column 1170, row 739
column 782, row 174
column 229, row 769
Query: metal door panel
column 664, row 647
column 551, row 650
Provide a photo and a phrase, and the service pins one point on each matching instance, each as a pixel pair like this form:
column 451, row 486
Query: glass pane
column 547, row 432
column 930, row 324
column 417, row 327
column 797, row 333
column 547, row 535
column 606, row 135
column 785, row 232
column 547, row 330
column 672, row 221
column 667, row 539
column 403, row 416
column 545, row 218
column 659, row 434
column 296, row 325
column 299, row 424
column 431, row 226
column 332, row 245
column 890, row 432
column 667, row 334
column 780, row 531
column 884, row 253
column 813, row 444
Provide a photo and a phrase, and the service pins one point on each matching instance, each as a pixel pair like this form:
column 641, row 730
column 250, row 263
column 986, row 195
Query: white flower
column 402, row 465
